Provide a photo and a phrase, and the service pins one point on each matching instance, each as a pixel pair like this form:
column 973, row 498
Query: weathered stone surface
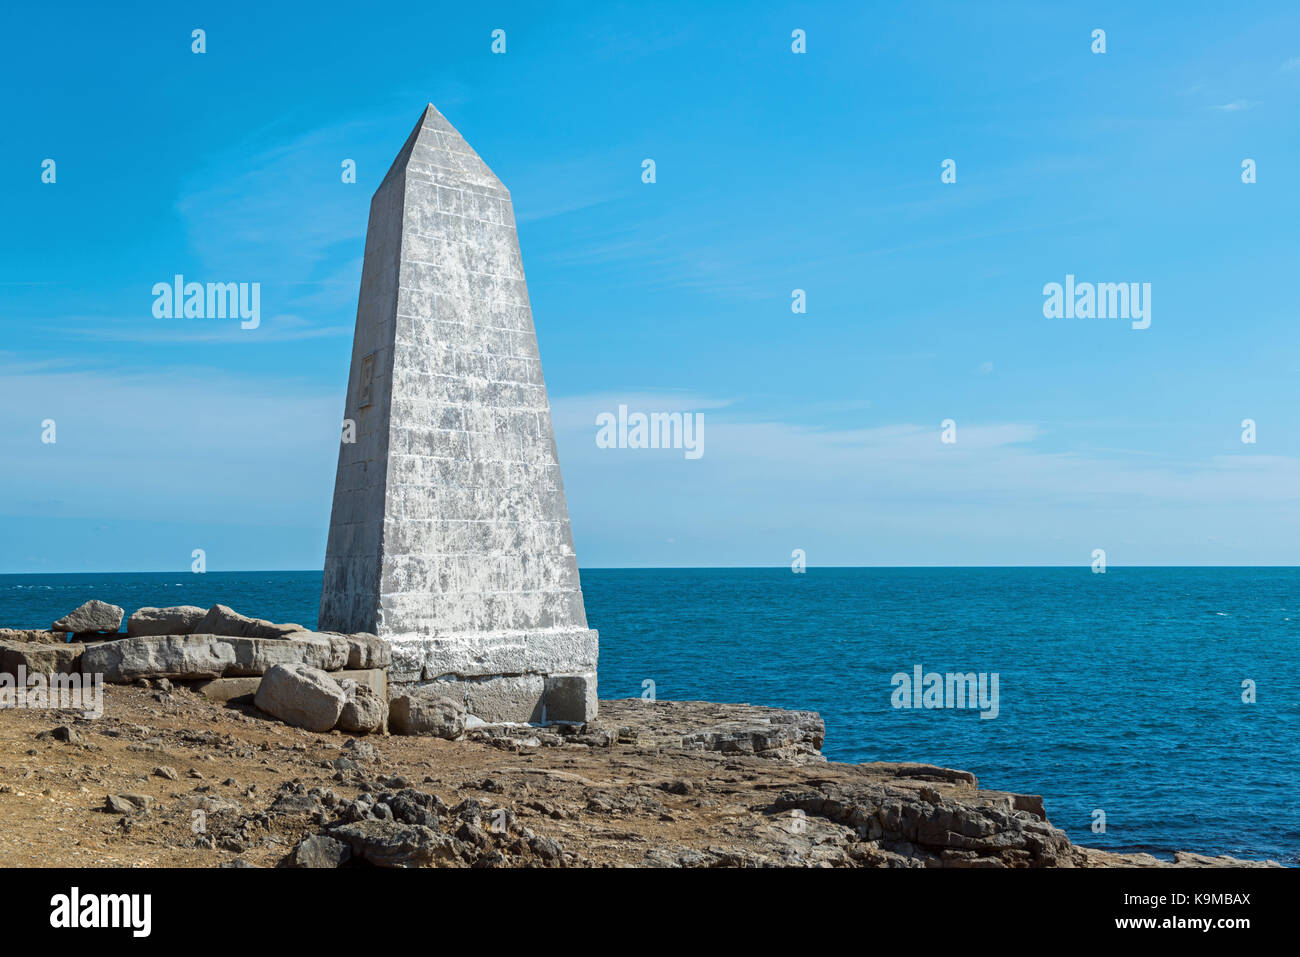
column 63, row 734
column 319, row 851
column 571, row 698
column 472, row 656
column 899, row 830
column 93, row 616
column 563, row 651
column 421, row 712
column 254, row 656
column 392, row 844
column 465, row 656
column 449, row 529
column 1032, row 803
column 225, row 690
column 39, row 635
column 362, row 651
column 178, row 620
column 364, row 712
column 368, row 651
column 770, row 731
column 172, row 656
column 1096, row 857
column 376, row 679
column 39, row 658
column 236, row 688
column 127, row 803
column 221, row 620
column 513, row 698
column 208, row 656
column 924, row 772
column 302, row 696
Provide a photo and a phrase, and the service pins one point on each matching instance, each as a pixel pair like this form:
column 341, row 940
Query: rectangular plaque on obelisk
column 449, row 535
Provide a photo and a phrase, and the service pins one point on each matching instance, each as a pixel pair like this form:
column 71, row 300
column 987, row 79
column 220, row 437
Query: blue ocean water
column 1120, row 692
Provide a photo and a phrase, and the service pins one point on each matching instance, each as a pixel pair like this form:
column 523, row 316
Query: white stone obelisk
column 450, row 534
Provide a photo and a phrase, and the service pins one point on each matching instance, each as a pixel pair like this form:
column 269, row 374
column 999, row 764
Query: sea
column 1154, row 709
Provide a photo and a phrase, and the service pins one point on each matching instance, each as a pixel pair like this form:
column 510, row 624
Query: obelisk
column 449, row 535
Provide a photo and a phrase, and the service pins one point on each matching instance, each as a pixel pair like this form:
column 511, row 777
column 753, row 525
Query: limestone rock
column 366, row 651
column 93, row 616
column 319, row 851
column 508, row 698
column 61, row 733
column 365, row 711
column 391, row 844
column 41, row 636
column 178, row 620
column 189, row 657
column 424, row 713
column 167, row 656
column 301, row 696
column 225, row 690
column 127, row 803
column 772, row 733
column 254, row 656
column 221, row 620
column 900, row 829
column 38, row 658
column 376, row 679
column 571, row 698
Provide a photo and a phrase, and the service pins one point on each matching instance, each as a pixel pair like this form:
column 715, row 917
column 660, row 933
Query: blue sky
column 775, row 171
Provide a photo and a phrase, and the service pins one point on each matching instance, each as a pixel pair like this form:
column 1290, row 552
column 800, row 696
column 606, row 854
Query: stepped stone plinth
column 450, row 534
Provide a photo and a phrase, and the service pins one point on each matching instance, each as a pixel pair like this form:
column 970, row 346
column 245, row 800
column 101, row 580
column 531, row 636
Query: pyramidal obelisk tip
column 433, row 119
column 441, row 152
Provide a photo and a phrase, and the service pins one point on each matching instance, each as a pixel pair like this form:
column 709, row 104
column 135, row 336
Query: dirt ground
column 196, row 785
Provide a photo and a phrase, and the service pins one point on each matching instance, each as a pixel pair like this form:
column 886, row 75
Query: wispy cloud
column 1000, row 494
column 165, row 444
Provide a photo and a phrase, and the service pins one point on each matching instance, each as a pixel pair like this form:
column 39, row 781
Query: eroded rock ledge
column 668, row 784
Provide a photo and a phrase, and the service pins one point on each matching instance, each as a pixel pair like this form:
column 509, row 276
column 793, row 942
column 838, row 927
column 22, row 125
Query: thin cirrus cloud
column 192, row 444
column 167, row 444
column 895, row 494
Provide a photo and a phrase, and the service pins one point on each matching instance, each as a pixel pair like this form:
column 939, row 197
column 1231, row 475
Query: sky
column 820, row 171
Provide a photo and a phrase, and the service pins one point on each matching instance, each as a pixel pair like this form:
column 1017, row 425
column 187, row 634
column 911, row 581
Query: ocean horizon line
column 632, row 568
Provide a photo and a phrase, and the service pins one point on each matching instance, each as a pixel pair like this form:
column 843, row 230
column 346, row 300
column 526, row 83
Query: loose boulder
column 160, row 656
column 302, row 696
column 365, row 711
column 93, row 617
column 391, row 844
column 221, row 620
column 40, row 636
column 319, row 851
column 179, row 620
column 189, row 657
column 425, row 713
column 39, row 658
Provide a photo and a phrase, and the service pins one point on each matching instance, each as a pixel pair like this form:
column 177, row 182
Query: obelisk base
column 537, row 677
